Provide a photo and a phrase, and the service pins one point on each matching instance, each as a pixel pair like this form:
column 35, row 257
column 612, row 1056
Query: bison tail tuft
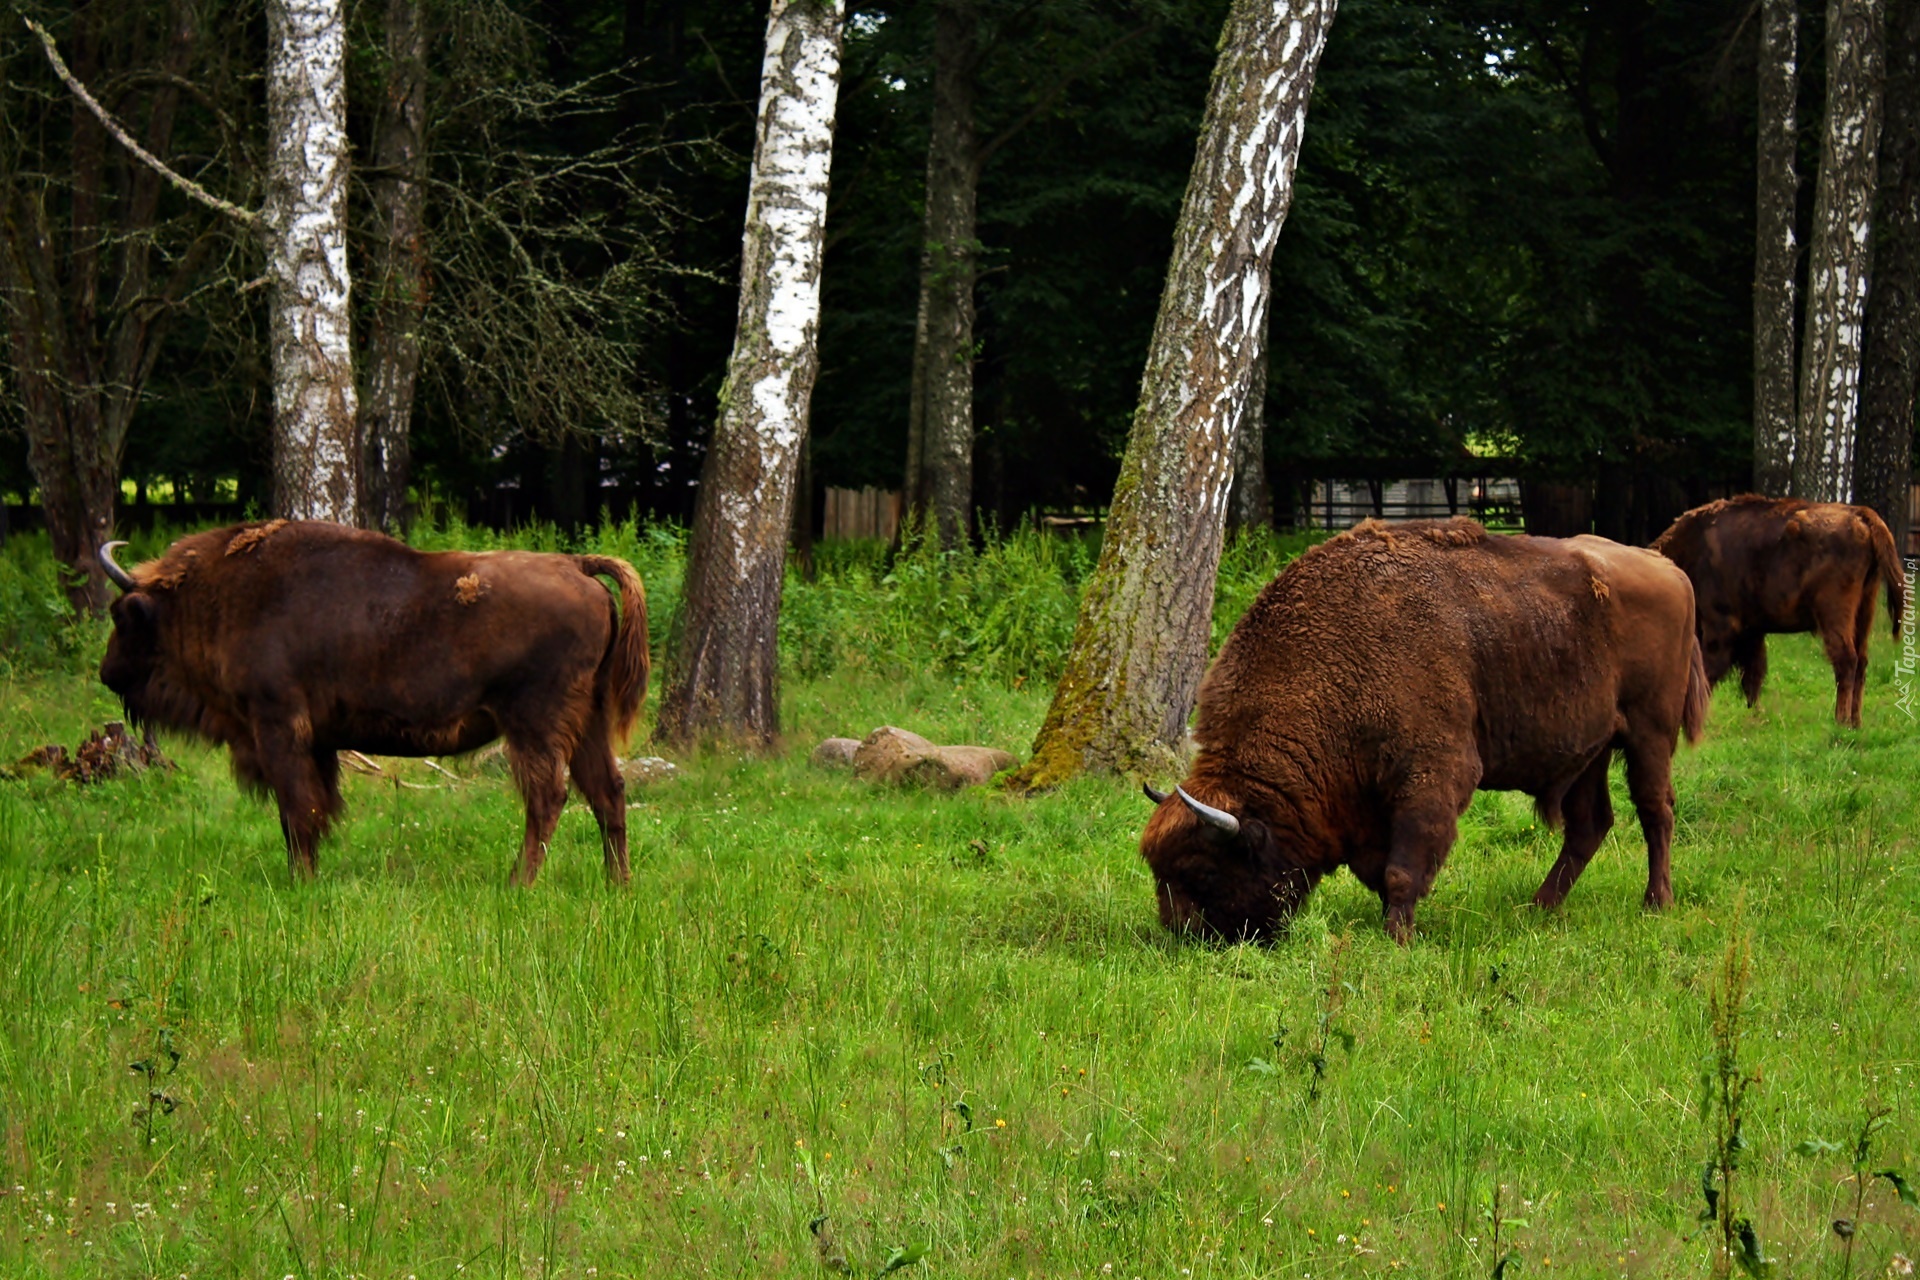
column 622, row 681
column 1694, row 718
column 1887, row 559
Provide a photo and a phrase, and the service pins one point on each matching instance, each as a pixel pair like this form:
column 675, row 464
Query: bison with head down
column 1391, row 672
column 290, row 642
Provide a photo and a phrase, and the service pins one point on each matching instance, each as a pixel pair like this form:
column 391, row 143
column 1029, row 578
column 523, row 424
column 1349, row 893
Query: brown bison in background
column 1388, row 674
column 1760, row 565
column 291, row 642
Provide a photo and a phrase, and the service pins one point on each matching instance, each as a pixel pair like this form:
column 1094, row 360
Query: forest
column 1520, row 230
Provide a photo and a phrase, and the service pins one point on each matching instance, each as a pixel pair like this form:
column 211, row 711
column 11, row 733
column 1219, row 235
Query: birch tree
column 316, row 446
column 722, row 666
column 1776, row 249
column 1883, row 460
column 1839, row 254
column 1140, row 645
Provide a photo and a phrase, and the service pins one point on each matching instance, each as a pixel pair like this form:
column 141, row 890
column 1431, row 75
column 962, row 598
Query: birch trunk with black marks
column 1840, row 255
column 1776, row 248
column 722, row 665
column 940, row 451
column 1140, row 645
column 316, row 445
column 1883, row 459
column 86, row 298
column 399, row 270
column 1251, row 504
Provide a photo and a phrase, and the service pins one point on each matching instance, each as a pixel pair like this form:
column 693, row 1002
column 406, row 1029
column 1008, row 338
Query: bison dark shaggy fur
column 1760, row 565
column 1388, row 674
column 290, row 642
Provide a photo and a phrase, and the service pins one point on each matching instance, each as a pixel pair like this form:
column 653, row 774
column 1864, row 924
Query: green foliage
column 37, row 628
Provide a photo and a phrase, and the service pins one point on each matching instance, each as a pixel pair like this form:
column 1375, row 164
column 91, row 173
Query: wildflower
column 1345, row 1194
column 999, row 1124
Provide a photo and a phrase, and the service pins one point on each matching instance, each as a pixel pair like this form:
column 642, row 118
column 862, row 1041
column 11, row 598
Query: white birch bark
column 1776, row 248
column 1840, row 251
column 722, row 680
column 1140, row 646
column 316, row 454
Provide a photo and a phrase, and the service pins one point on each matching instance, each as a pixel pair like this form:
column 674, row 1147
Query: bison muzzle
column 289, row 642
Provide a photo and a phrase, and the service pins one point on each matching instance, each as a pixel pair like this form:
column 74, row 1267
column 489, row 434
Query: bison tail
column 1694, row 718
column 622, row 682
column 1887, row 559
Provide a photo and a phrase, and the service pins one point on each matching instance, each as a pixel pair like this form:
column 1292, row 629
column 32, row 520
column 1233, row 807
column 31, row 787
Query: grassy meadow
column 832, row 1029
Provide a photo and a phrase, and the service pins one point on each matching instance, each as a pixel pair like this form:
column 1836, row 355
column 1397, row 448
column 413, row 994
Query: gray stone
column 887, row 753
column 835, row 753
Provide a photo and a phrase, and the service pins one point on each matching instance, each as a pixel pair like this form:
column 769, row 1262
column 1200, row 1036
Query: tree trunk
column 1883, row 463
column 722, row 679
column 398, row 189
column 1840, row 254
column 1776, row 249
column 1251, row 504
column 85, row 324
column 1140, row 645
column 316, row 450
column 948, row 261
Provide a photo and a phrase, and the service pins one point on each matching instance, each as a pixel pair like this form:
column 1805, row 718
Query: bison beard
column 1761, row 565
column 1390, row 673
column 290, row 642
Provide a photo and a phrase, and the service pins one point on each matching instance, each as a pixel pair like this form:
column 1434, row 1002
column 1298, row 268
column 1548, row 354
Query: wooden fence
column 861, row 513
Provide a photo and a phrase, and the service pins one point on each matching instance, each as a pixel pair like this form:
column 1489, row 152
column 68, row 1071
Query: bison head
column 1219, row 875
column 133, row 650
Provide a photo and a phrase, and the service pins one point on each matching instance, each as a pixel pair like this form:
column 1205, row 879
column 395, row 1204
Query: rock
column 835, row 753
column 887, row 753
column 951, row 768
column 643, row 771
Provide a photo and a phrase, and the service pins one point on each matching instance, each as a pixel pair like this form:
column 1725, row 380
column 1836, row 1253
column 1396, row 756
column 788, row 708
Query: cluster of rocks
column 896, row 756
column 105, row 753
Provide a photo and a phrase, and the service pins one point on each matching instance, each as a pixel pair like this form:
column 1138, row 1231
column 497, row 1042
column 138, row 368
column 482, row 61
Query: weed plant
column 946, row 1028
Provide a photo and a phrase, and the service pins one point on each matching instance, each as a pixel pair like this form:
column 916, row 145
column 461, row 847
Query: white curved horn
column 1208, row 814
column 118, row 576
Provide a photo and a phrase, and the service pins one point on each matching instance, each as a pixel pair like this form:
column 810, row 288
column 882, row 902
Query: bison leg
column 1750, row 655
column 1423, row 832
column 1650, row 783
column 1862, row 633
column 1834, row 621
column 307, row 796
column 597, row 775
column 1588, row 811
column 541, row 775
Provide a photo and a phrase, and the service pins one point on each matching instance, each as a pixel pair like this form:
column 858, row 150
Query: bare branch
column 245, row 217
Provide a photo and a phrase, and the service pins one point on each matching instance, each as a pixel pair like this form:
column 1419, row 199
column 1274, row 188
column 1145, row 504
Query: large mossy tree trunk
column 316, row 439
column 722, row 665
column 1883, row 459
column 1140, row 645
column 95, row 259
column 399, row 269
column 1776, row 247
column 1839, row 250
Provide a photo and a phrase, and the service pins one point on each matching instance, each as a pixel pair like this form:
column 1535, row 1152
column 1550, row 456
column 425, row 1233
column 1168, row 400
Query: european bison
column 1761, row 565
column 289, row 642
column 1392, row 671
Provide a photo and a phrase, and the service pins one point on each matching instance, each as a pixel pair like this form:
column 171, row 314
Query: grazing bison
column 1388, row 674
column 1760, row 565
column 290, row 642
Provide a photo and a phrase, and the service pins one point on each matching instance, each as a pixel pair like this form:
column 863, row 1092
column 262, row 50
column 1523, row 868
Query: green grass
column 947, row 1022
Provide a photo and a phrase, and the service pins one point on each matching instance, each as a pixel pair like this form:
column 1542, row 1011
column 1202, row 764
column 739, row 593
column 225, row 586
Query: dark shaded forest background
column 1522, row 228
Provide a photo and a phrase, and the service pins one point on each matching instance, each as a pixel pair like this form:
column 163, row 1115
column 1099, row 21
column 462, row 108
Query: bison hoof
column 1659, row 899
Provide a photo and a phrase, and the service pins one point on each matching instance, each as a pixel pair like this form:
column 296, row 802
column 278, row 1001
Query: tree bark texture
column 1140, row 645
column 1776, row 248
column 398, row 190
column 1839, row 249
column 943, row 353
column 86, row 297
column 316, row 450
column 722, row 680
column 1883, row 459
column 1251, row 503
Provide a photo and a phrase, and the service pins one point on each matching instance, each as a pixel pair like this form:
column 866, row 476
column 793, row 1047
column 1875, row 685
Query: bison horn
column 1208, row 814
column 1158, row 797
column 120, row 577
